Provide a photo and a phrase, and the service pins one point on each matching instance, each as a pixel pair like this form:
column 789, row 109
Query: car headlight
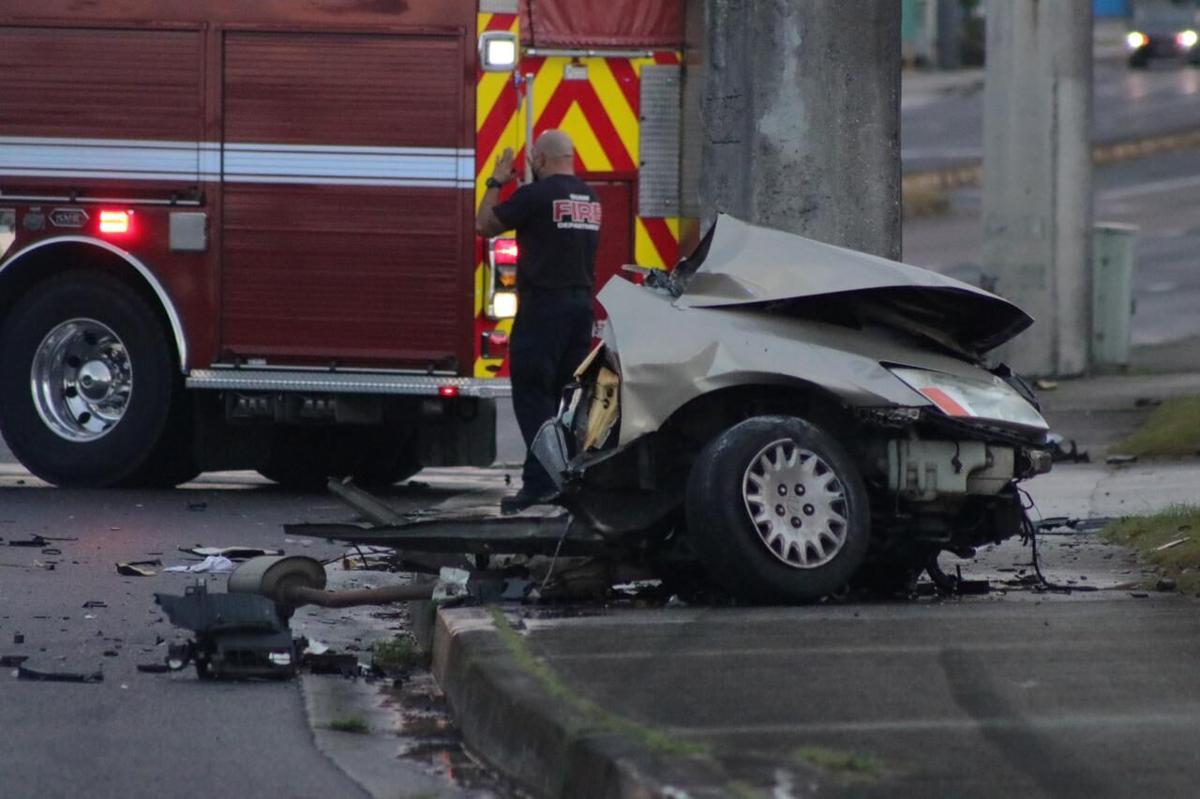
column 1136, row 40
column 8, row 230
column 962, row 398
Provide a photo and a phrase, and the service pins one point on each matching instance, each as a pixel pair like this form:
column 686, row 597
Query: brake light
column 449, row 392
column 116, row 223
column 505, row 252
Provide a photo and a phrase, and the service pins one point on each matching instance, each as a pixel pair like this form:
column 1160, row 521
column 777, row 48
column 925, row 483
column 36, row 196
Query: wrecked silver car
column 796, row 417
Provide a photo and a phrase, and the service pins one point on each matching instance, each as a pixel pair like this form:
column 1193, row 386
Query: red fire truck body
column 240, row 234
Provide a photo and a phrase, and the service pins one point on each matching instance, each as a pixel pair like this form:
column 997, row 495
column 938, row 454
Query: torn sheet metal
column 747, row 264
column 484, row 532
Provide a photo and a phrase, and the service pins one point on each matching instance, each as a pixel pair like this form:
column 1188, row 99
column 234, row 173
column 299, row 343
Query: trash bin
column 1112, row 294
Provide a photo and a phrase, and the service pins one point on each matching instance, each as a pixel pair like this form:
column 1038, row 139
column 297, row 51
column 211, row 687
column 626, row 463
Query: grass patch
column 1147, row 534
column 1172, row 431
column 654, row 739
column 397, row 655
column 923, row 202
column 350, row 724
column 855, row 766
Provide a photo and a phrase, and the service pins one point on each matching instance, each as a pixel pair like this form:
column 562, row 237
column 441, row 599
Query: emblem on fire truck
column 69, row 217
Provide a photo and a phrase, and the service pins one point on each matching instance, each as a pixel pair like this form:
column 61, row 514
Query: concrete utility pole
column 1037, row 175
column 792, row 117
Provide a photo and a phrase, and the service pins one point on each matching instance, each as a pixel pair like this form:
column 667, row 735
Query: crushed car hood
column 743, row 264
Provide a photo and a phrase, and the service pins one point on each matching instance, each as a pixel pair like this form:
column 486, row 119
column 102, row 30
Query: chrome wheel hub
column 81, row 379
column 796, row 503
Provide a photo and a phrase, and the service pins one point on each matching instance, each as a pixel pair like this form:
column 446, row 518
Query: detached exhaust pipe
column 296, row 580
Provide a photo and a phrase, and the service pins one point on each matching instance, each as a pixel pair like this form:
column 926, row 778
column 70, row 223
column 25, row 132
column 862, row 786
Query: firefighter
column 557, row 220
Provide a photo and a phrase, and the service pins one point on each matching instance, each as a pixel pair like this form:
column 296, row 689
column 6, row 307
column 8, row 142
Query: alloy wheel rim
column 82, row 380
column 796, row 503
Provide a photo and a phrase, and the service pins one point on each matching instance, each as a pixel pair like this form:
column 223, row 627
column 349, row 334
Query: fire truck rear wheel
column 87, row 380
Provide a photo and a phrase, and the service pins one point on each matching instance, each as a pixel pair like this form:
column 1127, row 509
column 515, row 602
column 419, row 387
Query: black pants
column 550, row 338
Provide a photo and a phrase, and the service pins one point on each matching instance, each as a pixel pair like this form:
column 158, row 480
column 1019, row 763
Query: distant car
column 1163, row 29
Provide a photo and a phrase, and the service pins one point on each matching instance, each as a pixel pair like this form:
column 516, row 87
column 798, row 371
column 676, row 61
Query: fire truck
column 238, row 234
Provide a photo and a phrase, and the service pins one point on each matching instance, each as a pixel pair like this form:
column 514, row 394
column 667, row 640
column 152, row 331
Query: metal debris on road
column 95, row 603
column 12, row 661
column 1173, row 544
column 137, row 568
column 36, row 542
column 238, row 553
column 43, row 675
column 1120, row 460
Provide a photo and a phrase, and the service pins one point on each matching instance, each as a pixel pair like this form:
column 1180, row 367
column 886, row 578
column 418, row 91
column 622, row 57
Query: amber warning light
column 116, row 223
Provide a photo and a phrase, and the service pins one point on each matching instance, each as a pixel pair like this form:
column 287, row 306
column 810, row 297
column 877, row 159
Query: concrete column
column 799, row 123
column 1037, row 175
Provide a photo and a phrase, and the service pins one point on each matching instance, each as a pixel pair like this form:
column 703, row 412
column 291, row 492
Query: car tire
column 739, row 484
column 1139, row 61
column 87, row 380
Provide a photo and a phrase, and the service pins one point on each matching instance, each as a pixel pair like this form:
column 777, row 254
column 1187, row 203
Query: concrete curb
column 510, row 720
column 971, row 174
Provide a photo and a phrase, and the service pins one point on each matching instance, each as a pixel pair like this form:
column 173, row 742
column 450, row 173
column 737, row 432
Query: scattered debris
column 51, row 551
column 1173, row 544
column 12, row 661
column 213, row 564
column 1166, row 584
column 42, row 675
column 232, row 553
column 37, row 541
column 237, row 635
column 95, row 603
column 18, row 638
column 341, row 664
column 1065, row 450
column 1045, row 385
column 1147, row 402
column 154, row 668
column 1120, row 460
column 136, row 568
column 1139, row 594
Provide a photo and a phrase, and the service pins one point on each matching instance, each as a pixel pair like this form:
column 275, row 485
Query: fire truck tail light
column 449, row 392
column 506, row 252
column 497, row 51
column 116, row 223
column 504, row 305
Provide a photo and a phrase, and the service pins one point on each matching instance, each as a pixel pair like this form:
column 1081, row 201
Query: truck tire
column 777, row 511
column 87, row 380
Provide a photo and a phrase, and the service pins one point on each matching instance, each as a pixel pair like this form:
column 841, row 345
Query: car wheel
column 1139, row 61
column 87, row 380
column 777, row 511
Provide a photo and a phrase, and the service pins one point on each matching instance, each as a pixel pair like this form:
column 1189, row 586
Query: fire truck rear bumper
column 346, row 382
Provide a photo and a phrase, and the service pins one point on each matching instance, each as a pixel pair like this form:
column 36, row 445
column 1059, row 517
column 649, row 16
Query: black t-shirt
column 557, row 220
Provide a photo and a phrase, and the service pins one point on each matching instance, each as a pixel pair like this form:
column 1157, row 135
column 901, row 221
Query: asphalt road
column 1158, row 194
column 140, row 735
column 942, row 125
